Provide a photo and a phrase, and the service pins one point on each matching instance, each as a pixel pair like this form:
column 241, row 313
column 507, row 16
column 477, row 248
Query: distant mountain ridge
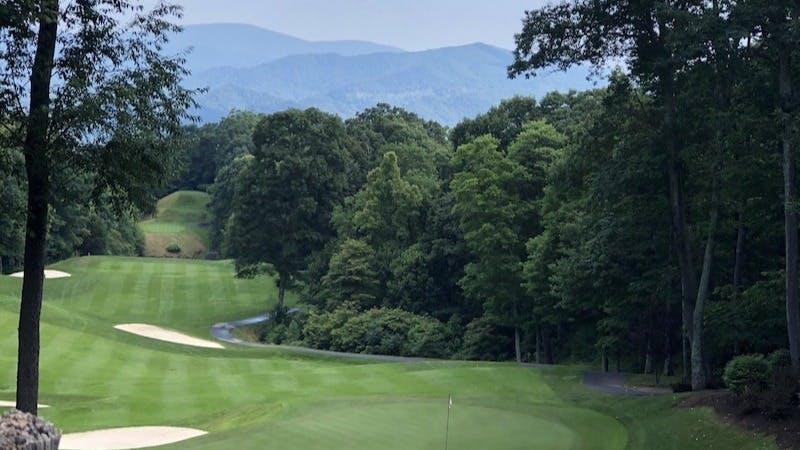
column 241, row 45
column 345, row 77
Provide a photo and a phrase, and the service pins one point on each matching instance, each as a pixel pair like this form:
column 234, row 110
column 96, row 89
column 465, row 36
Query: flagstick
column 447, row 426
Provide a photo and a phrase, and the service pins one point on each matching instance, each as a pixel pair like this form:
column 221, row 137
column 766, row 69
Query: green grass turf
column 96, row 377
column 179, row 219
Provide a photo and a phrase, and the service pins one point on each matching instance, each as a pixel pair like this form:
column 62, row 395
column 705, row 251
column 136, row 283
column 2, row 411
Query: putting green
column 421, row 425
column 95, row 377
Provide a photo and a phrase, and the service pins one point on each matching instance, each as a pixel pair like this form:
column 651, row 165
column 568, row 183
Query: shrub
column 779, row 359
column 294, row 331
column 320, row 325
column 384, row 331
column 173, row 248
column 485, row 340
column 428, row 338
column 781, row 397
column 379, row 331
column 275, row 334
column 747, row 374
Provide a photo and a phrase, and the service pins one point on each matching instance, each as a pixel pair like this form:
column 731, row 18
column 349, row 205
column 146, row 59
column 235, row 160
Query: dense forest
column 649, row 225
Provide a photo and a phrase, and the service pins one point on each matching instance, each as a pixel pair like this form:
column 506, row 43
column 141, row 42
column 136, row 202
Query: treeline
column 80, row 222
column 719, row 113
column 538, row 231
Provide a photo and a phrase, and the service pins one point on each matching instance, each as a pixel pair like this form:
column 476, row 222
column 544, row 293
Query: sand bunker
column 163, row 334
column 127, row 438
column 48, row 274
column 13, row 404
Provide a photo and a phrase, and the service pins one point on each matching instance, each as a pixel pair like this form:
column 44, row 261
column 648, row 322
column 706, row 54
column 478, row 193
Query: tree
column 386, row 214
column 111, row 113
column 776, row 25
column 496, row 214
column 656, row 37
column 351, row 276
column 285, row 196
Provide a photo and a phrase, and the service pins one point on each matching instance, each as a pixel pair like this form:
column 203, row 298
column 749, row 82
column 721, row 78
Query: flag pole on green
column 447, row 425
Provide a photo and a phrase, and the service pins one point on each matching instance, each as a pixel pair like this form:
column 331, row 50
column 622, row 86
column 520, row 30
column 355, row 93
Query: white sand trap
column 127, row 438
column 163, row 334
column 12, row 404
column 48, row 274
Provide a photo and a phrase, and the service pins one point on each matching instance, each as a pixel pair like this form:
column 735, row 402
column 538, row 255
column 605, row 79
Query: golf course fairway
column 94, row 377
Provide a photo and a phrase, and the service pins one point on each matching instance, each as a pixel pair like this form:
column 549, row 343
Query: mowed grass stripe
column 264, row 399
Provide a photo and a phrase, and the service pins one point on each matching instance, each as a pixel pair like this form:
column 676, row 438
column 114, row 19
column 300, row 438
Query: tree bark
column 517, row 350
column 678, row 206
column 790, row 212
column 38, row 171
column 698, row 369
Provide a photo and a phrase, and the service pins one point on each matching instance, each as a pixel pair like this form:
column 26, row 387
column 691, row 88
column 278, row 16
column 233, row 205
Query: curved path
column 614, row 383
column 222, row 331
column 609, row 383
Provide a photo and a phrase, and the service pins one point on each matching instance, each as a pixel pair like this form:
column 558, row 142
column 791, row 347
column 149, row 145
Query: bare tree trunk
column 668, row 339
column 38, row 172
column 517, row 350
column 790, row 210
column 604, row 361
column 698, row 370
column 678, row 206
column 648, row 358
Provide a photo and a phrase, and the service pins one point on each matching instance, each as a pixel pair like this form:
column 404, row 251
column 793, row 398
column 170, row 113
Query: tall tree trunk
column 678, row 207
column 698, row 370
column 668, row 370
column 538, row 344
column 38, row 171
column 648, row 358
column 517, row 350
column 737, row 266
column 790, row 212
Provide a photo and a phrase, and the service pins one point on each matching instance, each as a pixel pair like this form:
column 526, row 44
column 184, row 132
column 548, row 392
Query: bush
column 320, row 325
column 781, row 398
column 779, row 359
column 486, row 340
column 275, row 334
column 381, row 331
column 173, row 248
column 747, row 374
column 428, row 338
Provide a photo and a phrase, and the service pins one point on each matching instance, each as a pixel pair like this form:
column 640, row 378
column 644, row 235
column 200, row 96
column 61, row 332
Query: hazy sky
column 408, row 24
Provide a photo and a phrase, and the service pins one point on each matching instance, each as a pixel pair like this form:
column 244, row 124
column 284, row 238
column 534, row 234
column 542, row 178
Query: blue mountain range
column 249, row 68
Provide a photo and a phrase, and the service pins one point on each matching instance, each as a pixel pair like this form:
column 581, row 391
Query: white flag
column 450, row 398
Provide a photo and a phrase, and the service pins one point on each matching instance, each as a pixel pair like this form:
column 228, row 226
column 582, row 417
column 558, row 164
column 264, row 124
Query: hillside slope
column 180, row 219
